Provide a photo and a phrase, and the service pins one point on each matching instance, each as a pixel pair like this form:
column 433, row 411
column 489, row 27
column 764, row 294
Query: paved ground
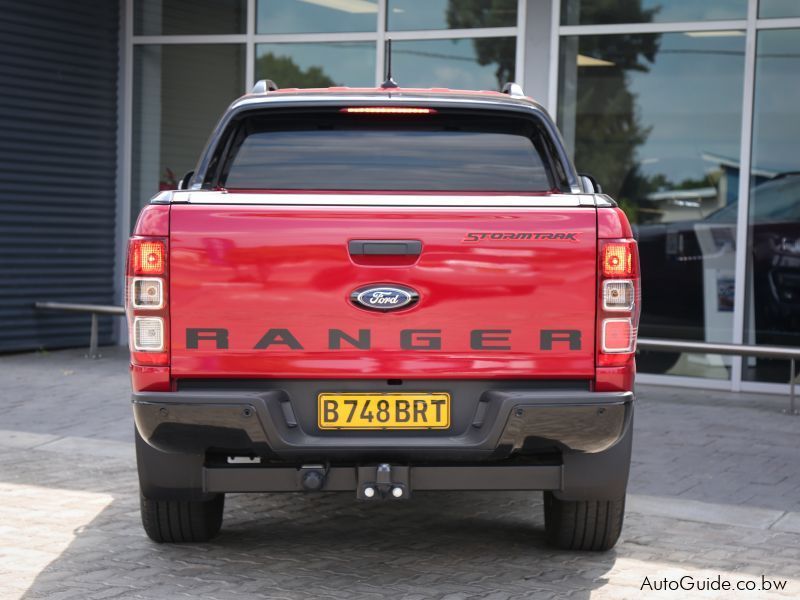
column 715, row 491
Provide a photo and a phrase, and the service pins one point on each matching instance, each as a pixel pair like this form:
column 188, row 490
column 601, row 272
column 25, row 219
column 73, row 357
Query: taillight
column 618, row 301
column 617, row 336
column 148, row 256
column 147, row 292
column 618, row 259
column 148, row 334
column 618, row 295
column 146, row 301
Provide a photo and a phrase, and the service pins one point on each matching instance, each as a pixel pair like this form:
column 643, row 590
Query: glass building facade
column 686, row 112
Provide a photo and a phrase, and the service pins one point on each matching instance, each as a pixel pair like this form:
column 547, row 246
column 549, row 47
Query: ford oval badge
column 384, row 297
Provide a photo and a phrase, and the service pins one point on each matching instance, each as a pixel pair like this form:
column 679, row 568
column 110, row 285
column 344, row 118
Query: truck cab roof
column 342, row 94
column 267, row 97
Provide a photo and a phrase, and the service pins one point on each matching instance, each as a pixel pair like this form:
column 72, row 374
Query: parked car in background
column 676, row 254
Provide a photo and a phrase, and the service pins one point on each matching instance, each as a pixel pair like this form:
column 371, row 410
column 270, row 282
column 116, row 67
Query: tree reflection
column 608, row 129
column 467, row 14
column 286, row 73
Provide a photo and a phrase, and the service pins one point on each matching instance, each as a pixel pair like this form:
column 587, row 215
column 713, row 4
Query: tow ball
column 312, row 477
column 383, row 482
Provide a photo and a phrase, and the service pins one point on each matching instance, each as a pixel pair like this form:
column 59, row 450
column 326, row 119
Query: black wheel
column 174, row 521
column 582, row 524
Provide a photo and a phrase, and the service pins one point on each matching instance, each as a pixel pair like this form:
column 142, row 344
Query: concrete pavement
column 715, row 491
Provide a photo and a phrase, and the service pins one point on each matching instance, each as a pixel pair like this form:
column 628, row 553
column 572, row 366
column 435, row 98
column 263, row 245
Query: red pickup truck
column 385, row 292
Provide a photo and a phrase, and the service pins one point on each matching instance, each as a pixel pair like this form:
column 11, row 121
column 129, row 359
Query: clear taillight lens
column 147, row 293
column 148, row 334
column 618, row 295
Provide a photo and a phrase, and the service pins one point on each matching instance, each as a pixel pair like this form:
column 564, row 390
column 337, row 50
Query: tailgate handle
column 384, row 247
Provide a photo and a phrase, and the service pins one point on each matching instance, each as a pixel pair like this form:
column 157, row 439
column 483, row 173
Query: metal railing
column 792, row 354
column 94, row 309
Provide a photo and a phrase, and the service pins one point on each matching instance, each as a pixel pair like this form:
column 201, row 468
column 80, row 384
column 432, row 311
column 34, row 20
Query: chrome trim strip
column 366, row 200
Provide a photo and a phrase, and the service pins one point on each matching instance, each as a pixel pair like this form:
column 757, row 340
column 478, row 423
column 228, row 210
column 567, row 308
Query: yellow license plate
column 383, row 411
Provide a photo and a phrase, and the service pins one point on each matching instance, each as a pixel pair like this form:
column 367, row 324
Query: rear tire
column 174, row 521
column 582, row 524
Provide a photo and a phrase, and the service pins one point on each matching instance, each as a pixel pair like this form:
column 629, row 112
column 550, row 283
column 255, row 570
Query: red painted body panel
column 612, row 223
column 251, row 268
column 150, row 379
column 153, row 221
column 616, row 379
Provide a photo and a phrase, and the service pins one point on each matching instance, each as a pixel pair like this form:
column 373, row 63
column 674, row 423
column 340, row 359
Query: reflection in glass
column 466, row 64
column 188, row 17
column 657, row 118
column 180, row 92
column 311, row 65
column 423, row 155
column 595, row 12
column 316, row 16
column 450, row 14
column 771, row 9
column 773, row 284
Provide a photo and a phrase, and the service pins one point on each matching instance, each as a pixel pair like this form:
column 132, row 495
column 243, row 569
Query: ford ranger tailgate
column 266, row 290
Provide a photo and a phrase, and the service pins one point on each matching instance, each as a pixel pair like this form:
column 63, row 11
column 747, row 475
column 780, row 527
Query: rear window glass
column 358, row 152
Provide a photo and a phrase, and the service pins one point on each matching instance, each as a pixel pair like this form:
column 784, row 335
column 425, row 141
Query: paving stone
column 70, row 527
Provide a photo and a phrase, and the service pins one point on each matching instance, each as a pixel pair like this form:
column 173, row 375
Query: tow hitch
column 383, row 481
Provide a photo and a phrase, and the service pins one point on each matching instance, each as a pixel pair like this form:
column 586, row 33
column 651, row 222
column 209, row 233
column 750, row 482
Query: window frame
column 217, row 156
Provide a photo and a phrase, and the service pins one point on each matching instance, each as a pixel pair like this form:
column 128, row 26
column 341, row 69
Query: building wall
column 687, row 114
column 661, row 101
column 58, row 136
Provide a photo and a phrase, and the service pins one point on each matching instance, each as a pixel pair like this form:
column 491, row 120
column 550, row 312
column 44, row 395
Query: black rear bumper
column 273, row 424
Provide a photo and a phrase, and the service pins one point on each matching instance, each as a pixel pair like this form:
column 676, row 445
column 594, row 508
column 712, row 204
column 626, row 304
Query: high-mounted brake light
column 388, row 110
column 148, row 257
column 617, row 260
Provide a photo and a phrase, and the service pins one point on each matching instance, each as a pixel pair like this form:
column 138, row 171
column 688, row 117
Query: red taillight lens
column 148, row 257
column 617, row 259
column 388, row 110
